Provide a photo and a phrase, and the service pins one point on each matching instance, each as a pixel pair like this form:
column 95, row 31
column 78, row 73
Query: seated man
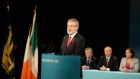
column 88, row 61
column 108, row 62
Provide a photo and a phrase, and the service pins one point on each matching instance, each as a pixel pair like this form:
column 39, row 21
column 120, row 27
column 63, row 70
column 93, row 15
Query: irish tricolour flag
column 30, row 62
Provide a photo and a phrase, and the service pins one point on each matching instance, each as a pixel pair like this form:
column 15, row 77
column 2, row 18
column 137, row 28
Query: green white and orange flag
column 30, row 62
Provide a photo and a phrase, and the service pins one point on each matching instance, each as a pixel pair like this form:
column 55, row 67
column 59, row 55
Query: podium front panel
column 60, row 67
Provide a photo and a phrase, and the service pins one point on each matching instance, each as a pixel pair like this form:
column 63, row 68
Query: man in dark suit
column 73, row 43
column 108, row 62
column 89, row 60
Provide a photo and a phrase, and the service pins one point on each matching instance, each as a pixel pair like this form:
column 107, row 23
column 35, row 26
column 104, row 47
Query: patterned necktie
column 107, row 60
column 69, row 41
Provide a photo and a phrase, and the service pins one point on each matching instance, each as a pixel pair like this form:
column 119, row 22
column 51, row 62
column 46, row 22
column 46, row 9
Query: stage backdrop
column 134, row 36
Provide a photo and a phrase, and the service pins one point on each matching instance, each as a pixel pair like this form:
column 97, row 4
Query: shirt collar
column 108, row 57
column 72, row 36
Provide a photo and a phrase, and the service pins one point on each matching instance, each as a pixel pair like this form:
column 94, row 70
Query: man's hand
column 103, row 68
column 84, row 67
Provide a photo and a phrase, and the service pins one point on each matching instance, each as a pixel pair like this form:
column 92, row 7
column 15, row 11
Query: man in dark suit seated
column 73, row 43
column 89, row 61
column 108, row 62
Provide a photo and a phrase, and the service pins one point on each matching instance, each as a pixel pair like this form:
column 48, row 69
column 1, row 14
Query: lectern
column 60, row 67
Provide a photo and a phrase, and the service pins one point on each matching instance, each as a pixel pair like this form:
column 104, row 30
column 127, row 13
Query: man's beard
column 69, row 32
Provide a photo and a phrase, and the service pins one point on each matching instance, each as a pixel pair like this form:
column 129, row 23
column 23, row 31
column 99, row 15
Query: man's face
column 88, row 53
column 108, row 51
column 71, row 27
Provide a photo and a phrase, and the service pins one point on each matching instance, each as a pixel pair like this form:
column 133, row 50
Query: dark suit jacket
column 76, row 46
column 93, row 62
column 113, row 63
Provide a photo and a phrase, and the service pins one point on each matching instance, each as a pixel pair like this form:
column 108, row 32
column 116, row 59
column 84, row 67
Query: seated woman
column 129, row 63
column 88, row 61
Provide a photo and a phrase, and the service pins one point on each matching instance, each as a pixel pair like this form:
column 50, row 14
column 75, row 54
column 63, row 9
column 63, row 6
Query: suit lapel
column 110, row 60
column 65, row 44
column 105, row 62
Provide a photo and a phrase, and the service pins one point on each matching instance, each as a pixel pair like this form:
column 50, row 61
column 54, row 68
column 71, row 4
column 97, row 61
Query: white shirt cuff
column 108, row 69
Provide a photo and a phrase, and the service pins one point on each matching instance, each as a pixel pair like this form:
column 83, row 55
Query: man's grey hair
column 74, row 20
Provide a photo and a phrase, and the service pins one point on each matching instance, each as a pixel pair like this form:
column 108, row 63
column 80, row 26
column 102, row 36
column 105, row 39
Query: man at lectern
column 73, row 43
